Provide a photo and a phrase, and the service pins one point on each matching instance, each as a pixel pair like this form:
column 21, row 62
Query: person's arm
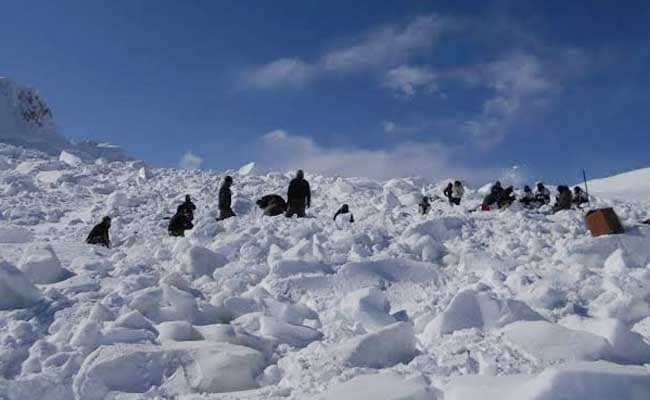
column 308, row 197
column 107, row 239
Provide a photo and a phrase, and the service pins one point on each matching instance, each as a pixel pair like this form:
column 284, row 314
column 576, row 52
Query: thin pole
column 584, row 177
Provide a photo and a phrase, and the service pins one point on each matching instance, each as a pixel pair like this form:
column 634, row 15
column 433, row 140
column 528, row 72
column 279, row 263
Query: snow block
column 482, row 310
column 384, row 348
column 286, row 268
column 205, row 367
column 384, row 386
column 40, row 264
column 581, row 380
column 16, row 291
column 369, row 306
column 15, row 234
column 552, row 343
column 70, row 159
column 201, row 261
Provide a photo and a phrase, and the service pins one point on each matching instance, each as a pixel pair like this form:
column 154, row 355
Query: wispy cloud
column 406, row 80
column 279, row 150
column 190, row 160
column 382, row 48
column 291, row 72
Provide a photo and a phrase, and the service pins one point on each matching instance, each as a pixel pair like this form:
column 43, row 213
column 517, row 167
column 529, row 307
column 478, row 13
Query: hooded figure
column 187, row 207
column 564, row 199
column 579, row 196
column 447, row 192
column 424, row 205
column 344, row 210
column 272, row 204
column 225, row 200
column 99, row 233
column 543, row 195
column 179, row 223
column 298, row 196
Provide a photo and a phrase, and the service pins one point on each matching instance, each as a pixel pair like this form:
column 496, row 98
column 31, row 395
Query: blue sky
column 378, row 88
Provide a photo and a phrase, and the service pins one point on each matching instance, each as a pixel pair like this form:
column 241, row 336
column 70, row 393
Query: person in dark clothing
column 543, row 195
column 187, row 207
column 527, row 198
column 344, row 210
column 225, row 200
column 447, row 192
column 298, row 196
column 506, row 197
column 579, row 196
column 272, row 204
column 99, row 233
column 564, row 199
column 496, row 188
column 179, row 223
column 489, row 201
column 424, row 205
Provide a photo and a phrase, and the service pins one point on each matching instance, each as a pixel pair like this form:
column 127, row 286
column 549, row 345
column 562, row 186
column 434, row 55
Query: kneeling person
column 99, row 233
column 179, row 223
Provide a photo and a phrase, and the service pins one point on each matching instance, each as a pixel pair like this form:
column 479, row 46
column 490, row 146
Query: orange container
column 603, row 221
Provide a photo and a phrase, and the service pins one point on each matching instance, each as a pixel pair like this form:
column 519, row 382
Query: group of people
column 299, row 199
column 498, row 197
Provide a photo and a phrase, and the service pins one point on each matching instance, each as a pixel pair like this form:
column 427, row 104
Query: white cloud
column 190, row 161
column 387, row 46
column 406, row 80
column 279, row 150
column 517, row 81
column 291, row 72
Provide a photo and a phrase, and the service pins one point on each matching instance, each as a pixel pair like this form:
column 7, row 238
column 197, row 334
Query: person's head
column 300, row 174
column 497, row 184
column 425, row 199
column 527, row 189
column 106, row 220
column 449, row 184
column 457, row 183
column 577, row 189
column 345, row 209
column 228, row 180
column 187, row 198
column 540, row 186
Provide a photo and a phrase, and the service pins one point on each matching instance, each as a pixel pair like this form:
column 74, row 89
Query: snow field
column 453, row 305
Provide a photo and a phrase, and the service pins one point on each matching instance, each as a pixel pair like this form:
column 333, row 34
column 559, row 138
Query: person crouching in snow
column 564, row 199
column 225, row 200
column 457, row 192
column 579, row 196
column 543, row 195
column 99, row 233
column 424, row 205
column 344, row 210
column 506, row 197
column 187, row 207
column 272, row 204
column 180, row 222
column 527, row 198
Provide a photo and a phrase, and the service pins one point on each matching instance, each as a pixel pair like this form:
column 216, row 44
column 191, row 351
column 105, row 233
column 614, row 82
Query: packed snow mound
column 395, row 305
column 26, row 120
column 583, row 380
column 17, row 291
column 626, row 186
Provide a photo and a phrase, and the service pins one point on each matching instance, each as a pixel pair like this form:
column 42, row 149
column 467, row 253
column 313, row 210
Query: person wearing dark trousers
column 225, row 200
column 298, row 196
column 99, row 233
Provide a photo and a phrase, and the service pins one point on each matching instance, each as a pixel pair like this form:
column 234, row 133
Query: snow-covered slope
column 27, row 121
column 455, row 305
column 632, row 185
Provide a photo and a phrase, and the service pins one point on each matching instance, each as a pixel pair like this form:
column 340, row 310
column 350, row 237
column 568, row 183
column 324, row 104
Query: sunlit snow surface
column 455, row 305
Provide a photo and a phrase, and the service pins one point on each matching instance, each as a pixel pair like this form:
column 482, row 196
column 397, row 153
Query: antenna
column 584, row 177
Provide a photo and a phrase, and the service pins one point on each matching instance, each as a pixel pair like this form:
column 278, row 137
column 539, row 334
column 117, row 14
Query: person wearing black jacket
column 447, row 192
column 343, row 211
column 187, row 207
column 179, row 223
column 99, row 233
column 298, row 196
column 225, row 200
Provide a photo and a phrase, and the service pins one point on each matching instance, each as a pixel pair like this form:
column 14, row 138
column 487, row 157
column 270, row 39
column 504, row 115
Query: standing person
column 298, row 196
column 457, row 193
column 187, row 207
column 447, row 192
column 543, row 195
column 424, row 205
column 99, row 233
column 225, row 200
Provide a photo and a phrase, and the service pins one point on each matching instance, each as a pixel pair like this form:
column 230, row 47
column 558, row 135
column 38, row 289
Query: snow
column 623, row 186
column 516, row 304
column 16, row 290
column 70, row 159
